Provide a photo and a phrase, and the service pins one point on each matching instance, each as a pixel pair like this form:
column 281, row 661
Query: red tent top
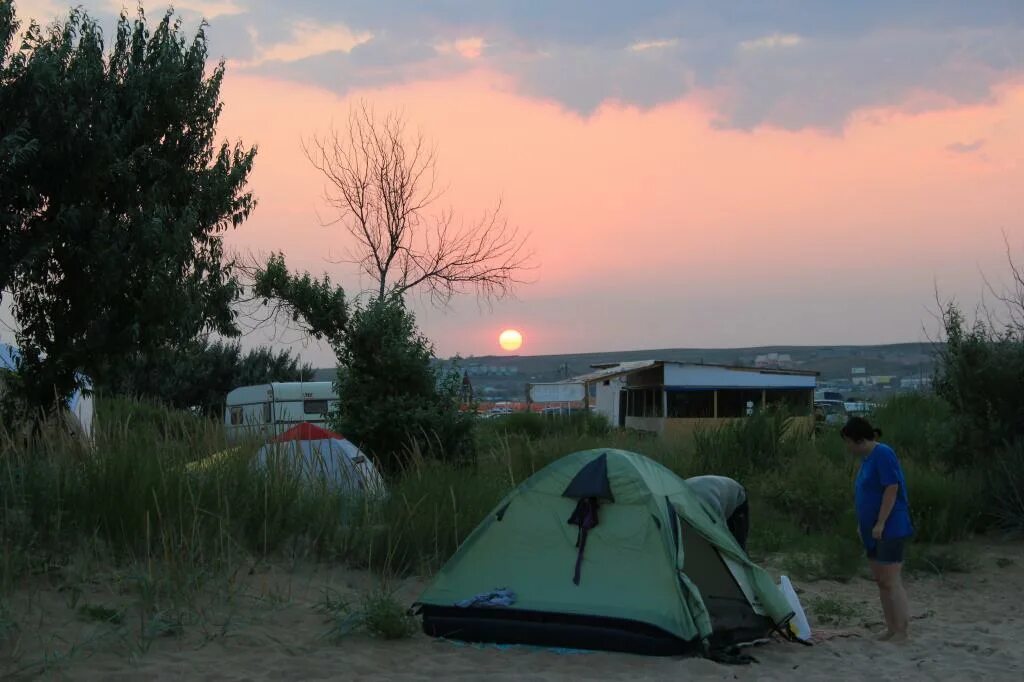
column 307, row 431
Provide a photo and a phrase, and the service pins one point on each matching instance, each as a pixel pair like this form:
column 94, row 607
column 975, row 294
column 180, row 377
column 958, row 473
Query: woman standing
column 883, row 519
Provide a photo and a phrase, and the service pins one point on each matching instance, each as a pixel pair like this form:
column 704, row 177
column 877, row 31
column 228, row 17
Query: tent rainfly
column 322, row 456
column 604, row 549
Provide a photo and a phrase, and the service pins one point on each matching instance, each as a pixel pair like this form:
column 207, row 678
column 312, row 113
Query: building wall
column 685, row 428
column 649, row 424
column 649, row 377
column 607, row 401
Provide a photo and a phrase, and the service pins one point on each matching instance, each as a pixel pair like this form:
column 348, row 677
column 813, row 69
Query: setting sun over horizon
column 510, row 340
column 684, row 181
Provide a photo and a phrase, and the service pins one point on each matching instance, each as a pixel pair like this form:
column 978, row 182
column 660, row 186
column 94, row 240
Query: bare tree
column 1012, row 295
column 382, row 185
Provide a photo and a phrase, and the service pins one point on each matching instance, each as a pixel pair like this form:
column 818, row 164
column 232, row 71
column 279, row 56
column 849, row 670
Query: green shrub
column 833, row 610
column 813, row 491
column 944, row 507
column 384, row 618
column 741, row 448
column 429, row 511
column 938, row 560
column 391, row 399
column 918, row 426
column 378, row 614
column 536, row 425
column 838, row 557
column 1005, row 484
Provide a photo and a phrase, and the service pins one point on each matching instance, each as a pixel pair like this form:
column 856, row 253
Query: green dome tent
column 603, row 549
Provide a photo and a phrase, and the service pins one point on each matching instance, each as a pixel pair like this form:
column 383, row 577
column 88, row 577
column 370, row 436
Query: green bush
column 741, row 448
column 922, row 558
column 919, row 427
column 536, row 426
column 384, row 618
column 1005, row 487
column 837, row 557
column 833, row 610
column 944, row 507
column 391, row 400
column 812, row 491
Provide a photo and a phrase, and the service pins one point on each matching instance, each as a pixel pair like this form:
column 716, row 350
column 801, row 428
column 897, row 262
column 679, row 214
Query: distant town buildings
column 916, row 383
column 492, row 370
column 773, row 361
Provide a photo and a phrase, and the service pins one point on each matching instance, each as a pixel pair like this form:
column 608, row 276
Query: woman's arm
column 888, row 501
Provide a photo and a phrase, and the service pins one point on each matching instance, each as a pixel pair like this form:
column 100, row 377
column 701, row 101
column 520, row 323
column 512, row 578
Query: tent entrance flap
column 589, row 486
column 727, row 605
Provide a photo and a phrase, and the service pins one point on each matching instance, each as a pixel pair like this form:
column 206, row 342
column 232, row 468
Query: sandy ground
column 269, row 623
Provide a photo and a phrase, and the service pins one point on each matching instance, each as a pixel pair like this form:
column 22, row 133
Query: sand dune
column 269, row 625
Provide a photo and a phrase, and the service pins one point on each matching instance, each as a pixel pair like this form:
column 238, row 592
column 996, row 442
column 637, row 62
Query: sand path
column 270, row 625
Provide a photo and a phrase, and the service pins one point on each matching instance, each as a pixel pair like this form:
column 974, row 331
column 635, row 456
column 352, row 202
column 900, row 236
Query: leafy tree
column 391, row 398
column 381, row 182
column 114, row 196
column 200, row 374
column 316, row 305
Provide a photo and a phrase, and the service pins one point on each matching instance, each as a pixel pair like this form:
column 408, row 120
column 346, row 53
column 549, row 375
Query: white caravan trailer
column 268, row 410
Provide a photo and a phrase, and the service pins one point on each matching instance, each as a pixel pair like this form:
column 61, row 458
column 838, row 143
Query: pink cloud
column 661, row 206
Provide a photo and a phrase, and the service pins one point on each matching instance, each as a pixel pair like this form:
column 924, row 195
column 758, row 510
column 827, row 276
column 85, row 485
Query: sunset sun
column 510, row 339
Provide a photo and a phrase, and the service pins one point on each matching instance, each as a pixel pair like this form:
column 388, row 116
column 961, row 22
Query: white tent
column 323, row 456
column 80, row 414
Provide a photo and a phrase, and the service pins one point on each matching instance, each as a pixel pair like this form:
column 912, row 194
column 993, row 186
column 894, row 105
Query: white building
column 662, row 396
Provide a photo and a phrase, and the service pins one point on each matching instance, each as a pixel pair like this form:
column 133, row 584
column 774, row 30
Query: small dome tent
column 79, row 413
column 603, row 549
column 322, row 455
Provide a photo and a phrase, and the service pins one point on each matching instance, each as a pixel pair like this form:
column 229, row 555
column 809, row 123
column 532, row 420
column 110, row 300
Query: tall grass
column 134, row 493
column 134, row 496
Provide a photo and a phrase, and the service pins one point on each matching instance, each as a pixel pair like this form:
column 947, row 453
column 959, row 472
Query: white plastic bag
column 801, row 628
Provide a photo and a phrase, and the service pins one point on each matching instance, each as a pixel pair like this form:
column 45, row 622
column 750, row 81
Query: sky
column 690, row 174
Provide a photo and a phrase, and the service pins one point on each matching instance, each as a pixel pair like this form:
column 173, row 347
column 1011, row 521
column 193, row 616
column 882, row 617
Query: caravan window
column 266, row 413
column 315, row 407
column 236, row 416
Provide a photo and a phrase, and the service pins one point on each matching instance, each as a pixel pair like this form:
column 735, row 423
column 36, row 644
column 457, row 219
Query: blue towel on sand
column 499, row 597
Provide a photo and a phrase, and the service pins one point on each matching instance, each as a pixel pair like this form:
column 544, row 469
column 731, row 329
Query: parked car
column 830, row 412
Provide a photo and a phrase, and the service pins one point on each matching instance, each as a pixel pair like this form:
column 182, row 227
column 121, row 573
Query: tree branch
column 381, row 182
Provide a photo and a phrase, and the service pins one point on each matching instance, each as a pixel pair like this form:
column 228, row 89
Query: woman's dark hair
column 859, row 429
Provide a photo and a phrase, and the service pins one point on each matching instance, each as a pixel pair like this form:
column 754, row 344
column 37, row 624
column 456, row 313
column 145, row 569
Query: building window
column 315, row 407
column 796, row 401
column 644, row 402
column 691, row 404
column 736, row 402
column 236, row 416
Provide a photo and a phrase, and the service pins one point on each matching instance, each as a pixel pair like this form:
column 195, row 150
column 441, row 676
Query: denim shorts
column 887, row 551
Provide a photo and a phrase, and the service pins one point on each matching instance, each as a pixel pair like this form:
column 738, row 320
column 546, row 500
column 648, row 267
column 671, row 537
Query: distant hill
column 506, row 376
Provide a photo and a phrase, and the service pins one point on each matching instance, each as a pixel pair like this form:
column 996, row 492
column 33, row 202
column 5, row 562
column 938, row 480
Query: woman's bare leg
column 894, row 599
column 878, row 575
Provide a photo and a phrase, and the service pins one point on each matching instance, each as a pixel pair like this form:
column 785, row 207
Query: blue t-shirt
column 879, row 470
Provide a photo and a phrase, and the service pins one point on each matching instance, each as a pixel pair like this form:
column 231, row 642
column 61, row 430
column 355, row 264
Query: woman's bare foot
column 899, row 637
column 885, row 636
